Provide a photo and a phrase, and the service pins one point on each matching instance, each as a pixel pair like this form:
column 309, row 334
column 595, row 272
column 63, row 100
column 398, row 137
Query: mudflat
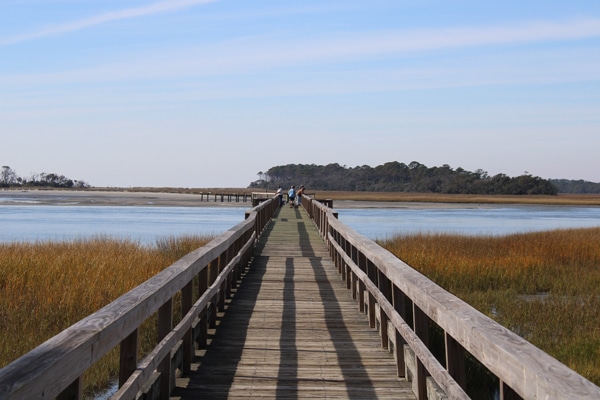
column 110, row 198
column 140, row 199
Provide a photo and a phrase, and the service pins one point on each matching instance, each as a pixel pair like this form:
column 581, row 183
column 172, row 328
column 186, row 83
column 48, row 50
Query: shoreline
column 20, row 197
column 110, row 198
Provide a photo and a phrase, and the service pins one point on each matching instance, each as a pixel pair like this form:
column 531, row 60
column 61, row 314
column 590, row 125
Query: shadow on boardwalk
column 292, row 330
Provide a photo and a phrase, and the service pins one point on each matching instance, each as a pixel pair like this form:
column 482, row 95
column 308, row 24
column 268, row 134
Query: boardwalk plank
column 292, row 330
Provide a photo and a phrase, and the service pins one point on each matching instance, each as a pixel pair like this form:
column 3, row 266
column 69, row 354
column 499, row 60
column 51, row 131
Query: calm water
column 383, row 223
column 144, row 224
column 147, row 224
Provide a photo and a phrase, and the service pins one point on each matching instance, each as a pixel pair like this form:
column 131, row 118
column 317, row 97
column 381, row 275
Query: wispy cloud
column 155, row 8
column 366, row 44
column 271, row 53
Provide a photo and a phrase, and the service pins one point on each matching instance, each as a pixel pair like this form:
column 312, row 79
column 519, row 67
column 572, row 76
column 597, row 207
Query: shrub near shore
column 48, row 286
column 544, row 286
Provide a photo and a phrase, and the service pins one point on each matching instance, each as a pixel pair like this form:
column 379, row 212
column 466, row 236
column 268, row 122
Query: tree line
column 576, row 186
column 399, row 177
column 10, row 179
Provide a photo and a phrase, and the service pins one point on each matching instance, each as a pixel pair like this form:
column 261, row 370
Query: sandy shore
column 124, row 198
column 117, row 198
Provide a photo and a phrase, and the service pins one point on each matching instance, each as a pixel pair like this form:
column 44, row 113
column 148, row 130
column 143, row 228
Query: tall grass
column 407, row 197
column 544, row 286
column 48, row 286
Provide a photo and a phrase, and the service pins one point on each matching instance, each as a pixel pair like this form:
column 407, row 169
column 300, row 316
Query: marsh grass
column 48, row 286
column 561, row 199
column 544, row 286
column 408, row 197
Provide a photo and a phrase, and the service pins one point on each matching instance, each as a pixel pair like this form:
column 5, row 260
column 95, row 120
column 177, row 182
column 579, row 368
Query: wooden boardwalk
column 292, row 330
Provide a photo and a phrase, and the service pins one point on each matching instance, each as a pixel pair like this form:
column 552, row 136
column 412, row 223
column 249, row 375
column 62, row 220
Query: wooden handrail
column 55, row 369
column 384, row 286
column 523, row 370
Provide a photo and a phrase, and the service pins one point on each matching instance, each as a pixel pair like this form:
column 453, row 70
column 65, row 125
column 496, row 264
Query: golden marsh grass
column 48, row 286
column 561, row 199
column 407, row 197
column 544, row 286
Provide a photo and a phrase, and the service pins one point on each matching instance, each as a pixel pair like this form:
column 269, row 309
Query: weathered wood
column 523, row 368
column 152, row 361
column 51, row 368
column 292, row 330
column 128, row 357
column 455, row 361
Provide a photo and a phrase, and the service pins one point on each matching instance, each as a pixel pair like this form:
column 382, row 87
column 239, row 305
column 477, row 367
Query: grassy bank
column 48, row 286
column 561, row 199
column 544, row 286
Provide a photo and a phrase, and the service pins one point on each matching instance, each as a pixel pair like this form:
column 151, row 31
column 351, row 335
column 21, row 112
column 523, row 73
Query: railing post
column 72, row 392
column 507, row 393
column 213, row 271
column 399, row 306
column 362, row 264
column 128, row 357
column 455, row 361
column 372, row 274
column 383, row 285
column 202, row 337
column 371, row 309
column 188, row 348
column 421, row 324
column 223, row 259
column 353, row 280
column 165, row 324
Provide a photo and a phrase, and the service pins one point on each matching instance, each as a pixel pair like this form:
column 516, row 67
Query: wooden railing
column 56, row 368
column 410, row 311
column 406, row 308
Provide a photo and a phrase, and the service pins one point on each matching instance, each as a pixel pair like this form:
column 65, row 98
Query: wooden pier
column 292, row 304
column 292, row 330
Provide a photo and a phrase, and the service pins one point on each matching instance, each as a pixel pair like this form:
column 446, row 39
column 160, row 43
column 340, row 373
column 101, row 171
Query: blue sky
column 199, row 93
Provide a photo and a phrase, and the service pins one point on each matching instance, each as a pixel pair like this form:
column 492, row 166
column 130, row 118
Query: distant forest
column 10, row 179
column 575, row 186
column 415, row 177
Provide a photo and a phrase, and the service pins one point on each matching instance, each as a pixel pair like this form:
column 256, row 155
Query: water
column 384, row 223
column 148, row 224
column 143, row 224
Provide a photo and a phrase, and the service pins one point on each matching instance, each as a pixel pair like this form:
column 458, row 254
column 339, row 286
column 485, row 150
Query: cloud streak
column 400, row 42
column 155, row 8
column 257, row 55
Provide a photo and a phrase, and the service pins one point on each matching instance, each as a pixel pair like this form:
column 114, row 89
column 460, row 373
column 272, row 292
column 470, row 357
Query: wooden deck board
column 292, row 330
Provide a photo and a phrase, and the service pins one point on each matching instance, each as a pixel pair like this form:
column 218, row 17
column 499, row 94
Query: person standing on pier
column 299, row 195
column 292, row 196
column 280, row 195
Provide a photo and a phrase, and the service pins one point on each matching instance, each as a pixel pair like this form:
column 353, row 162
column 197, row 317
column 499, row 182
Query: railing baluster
column 421, row 323
column 73, row 392
column 188, row 347
column 128, row 357
column 400, row 307
column 371, row 309
column 383, row 285
column 213, row 271
column 507, row 393
column 165, row 324
column 455, row 360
